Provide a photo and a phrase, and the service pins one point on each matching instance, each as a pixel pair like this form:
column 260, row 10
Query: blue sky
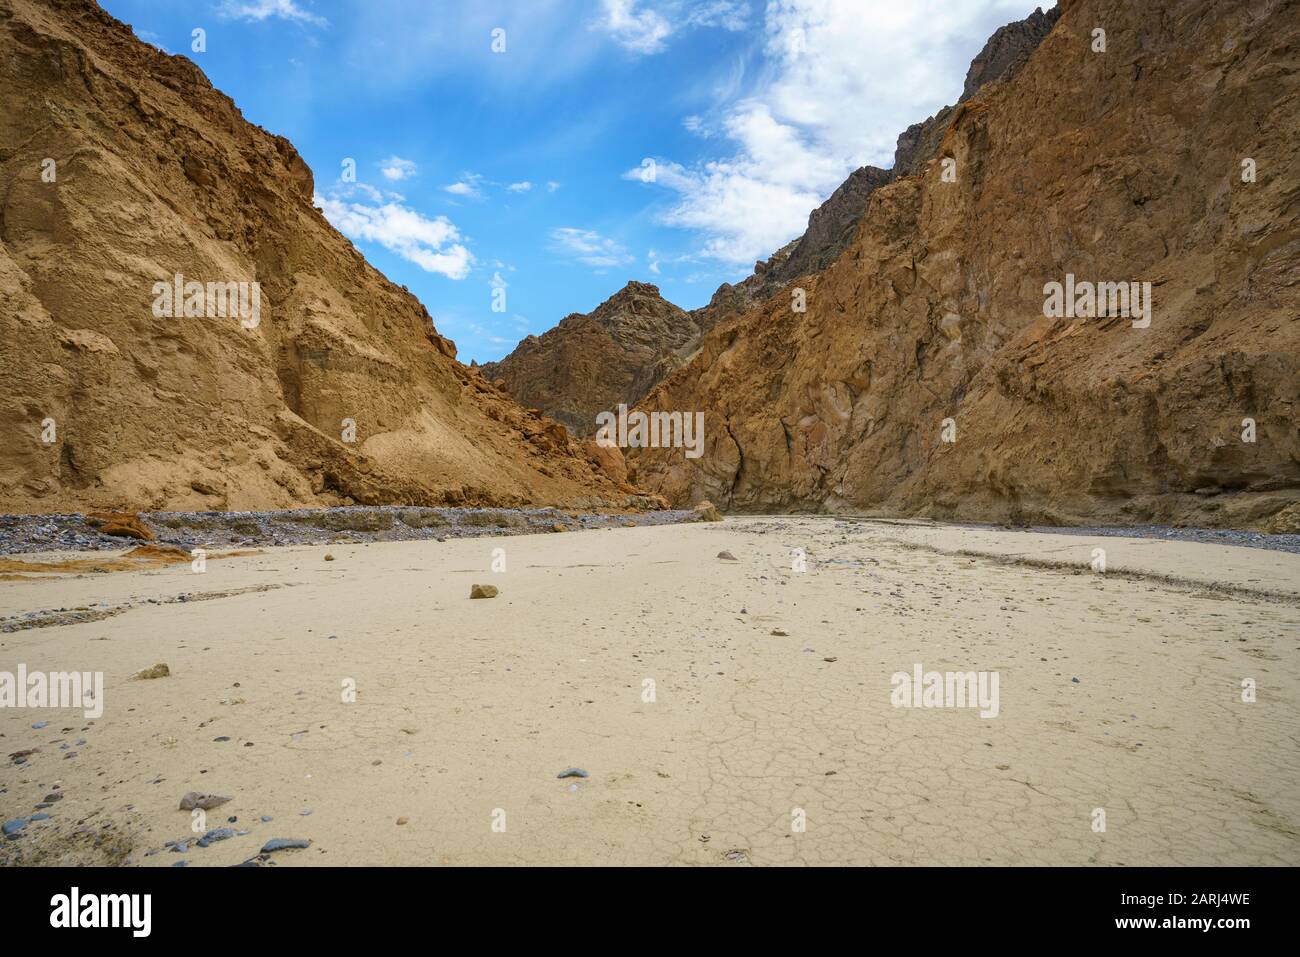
column 528, row 169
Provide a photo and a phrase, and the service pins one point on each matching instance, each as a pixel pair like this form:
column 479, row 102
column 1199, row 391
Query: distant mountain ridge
column 593, row 361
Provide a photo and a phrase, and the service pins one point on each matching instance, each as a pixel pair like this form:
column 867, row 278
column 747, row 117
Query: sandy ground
column 465, row 709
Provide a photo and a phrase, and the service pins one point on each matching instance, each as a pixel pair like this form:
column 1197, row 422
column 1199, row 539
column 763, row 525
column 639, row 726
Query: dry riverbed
column 723, row 711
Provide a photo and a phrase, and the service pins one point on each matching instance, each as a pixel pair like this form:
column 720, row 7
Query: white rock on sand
column 467, row 709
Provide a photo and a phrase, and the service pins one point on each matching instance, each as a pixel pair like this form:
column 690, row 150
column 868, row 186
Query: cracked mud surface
column 465, row 707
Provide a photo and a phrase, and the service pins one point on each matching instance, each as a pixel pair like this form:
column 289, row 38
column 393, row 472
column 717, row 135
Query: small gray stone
column 284, row 843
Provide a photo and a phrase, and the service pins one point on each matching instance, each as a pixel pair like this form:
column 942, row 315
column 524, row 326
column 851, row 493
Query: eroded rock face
column 593, row 361
column 104, row 403
column 931, row 324
column 830, row 228
column 1003, row 56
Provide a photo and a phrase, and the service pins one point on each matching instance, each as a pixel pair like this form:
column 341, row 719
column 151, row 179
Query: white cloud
column 589, row 247
column 695, row 124
column 523, row 187
column 432, row 244
column 726, row 14
column 641, row 31
column 842, row 79
column 552, row 186
column 263, row 9
column 645, row 29
column 482, row 332
column 467, row 186
column 396, row 169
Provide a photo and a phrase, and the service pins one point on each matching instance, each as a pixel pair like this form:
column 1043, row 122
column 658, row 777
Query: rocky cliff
column 925, row 377
column 586, row 364
column 122, row 168
column 593, row 361
column 1003, row 56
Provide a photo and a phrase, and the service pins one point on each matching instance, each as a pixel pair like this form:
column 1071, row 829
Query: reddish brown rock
column 121, row 524
column 608, row 459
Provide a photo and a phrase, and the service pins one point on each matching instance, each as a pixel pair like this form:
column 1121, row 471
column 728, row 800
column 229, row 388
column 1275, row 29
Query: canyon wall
column 121, row 167
column 592, row 362
column 924, row 377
